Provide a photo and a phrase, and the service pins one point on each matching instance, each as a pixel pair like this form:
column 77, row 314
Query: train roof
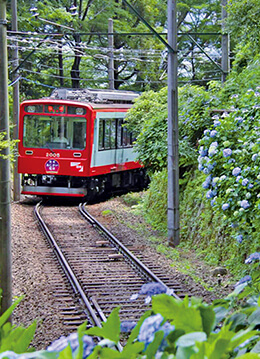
column 95, row 96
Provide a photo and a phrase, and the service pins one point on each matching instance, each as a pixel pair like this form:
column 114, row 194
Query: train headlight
column 31, row 182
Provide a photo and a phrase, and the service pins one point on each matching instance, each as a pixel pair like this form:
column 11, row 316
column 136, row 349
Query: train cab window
column 55, row 132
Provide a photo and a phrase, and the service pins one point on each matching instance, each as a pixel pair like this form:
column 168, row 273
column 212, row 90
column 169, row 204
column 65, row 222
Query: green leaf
column 256, row 348
column 66, row 353
column 254, row 317
column 4, row 317
column 135, row 331
column 208, row 319
column 166, row 305
column 25, row 338
column 153, row 347
column 110, row 329
column 187, row 340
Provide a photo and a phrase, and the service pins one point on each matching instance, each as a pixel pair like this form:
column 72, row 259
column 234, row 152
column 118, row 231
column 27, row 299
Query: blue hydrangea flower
column 245, row 182
column 10, row 355
column 200, row 167
column 239, row 238
column 231, row 160
column 236, row 171
column 150, row 289
column 222, row 178
column 254, row 157
column 61, row 343
column 238, row 178
column 225, row 206
column 210, row 194
column 213, row 202
column 215, row 181
column 245, row 279
column 206, row 183
column 203, row 152
column 216, row 123
column 212, row 151
column 227, row 152
column 213, row 133
column 206, row 171
column 253, row 257
column 239, row 119
column 214, row 144
column 206, row 132
column 127, row 326
column 148, row 329
column 250, row 186
column 234, row 225
column 245, row 204
column 150, row 326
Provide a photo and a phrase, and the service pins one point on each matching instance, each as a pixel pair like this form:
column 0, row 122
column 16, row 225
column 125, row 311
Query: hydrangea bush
column 172, row 328
column 229, row 157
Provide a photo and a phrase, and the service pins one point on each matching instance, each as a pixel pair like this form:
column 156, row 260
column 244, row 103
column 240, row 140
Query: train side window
column 101, row 135
column 107, row 134
column 79, row 135
column 119, row 133
column 113, row 134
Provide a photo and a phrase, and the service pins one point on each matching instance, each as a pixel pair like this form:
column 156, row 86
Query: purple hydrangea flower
column 127, row 325
column 239, row 238
column 227, row 152
column 236, row 171
column 225, row 206
column 245, row 279
column 245, row 182
column 245, row 204
column 253, row 257
column 61, row 343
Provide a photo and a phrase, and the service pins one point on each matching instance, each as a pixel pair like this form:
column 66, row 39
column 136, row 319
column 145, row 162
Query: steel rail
column 123, row 250
column 66, row 267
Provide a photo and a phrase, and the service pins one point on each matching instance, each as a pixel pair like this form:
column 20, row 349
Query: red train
column 74, row 143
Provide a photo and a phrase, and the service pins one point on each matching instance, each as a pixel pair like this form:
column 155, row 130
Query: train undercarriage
column 88, row 187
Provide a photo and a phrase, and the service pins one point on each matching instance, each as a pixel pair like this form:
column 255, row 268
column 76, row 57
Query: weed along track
column 103, row 272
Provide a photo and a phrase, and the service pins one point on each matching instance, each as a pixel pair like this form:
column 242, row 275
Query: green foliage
column 148, row 121
column 14, row 338
column 232, row 166
column 7, row 147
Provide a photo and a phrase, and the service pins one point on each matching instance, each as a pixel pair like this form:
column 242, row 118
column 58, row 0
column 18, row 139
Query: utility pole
column 111, row 74
column 16, row 180
column 225, row 63
column 5, row 212
column 173, row 132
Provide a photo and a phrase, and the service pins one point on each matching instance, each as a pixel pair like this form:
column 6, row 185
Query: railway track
column 103, row 272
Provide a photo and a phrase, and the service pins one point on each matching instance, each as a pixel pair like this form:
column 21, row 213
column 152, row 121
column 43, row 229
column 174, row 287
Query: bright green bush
column 15, row 338
column 147, row 119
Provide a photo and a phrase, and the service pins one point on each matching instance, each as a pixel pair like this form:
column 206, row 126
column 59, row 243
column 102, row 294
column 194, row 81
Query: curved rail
column 125, row 251
column 66, row 267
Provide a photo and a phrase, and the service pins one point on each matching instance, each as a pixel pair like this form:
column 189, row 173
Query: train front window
column 54, row 132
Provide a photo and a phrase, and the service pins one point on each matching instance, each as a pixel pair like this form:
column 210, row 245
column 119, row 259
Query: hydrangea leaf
column 165, row 305
column 110, row 329
column 187, row 340
column 153, row 347
column 208, row 319
column 255, row 317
